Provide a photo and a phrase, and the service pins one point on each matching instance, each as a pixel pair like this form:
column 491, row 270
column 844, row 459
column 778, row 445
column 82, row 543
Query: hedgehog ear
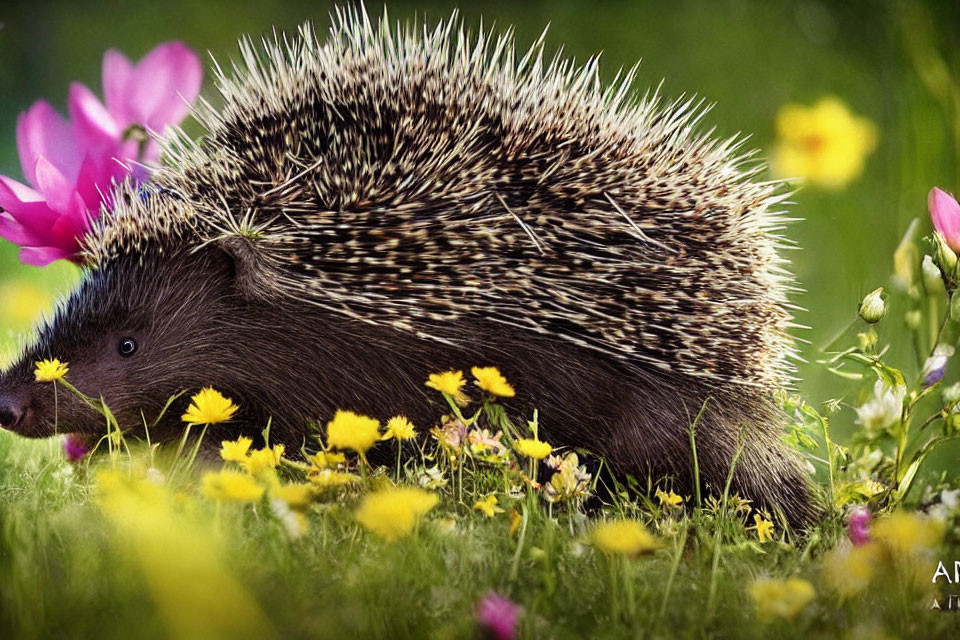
column 249, row 269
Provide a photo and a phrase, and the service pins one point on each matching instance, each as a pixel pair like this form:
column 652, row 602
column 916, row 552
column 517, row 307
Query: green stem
column 693, row 449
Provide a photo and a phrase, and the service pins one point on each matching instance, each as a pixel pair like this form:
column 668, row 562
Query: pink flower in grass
column 70, row 166
column 945, row 212
column 498, row 616
column 74, row 448
column 859, row 524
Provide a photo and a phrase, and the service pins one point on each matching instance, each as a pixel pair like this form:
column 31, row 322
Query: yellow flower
column 349, row 430
column 263, row 460
column 489, row 379
column 297, row 495
column 669, row 499
column 50, row 370
column 231, row 485
column 235, row 451
column 535, row 449
column 325, row 459
column 781, row 598
column 328, row 479
column 907, row 533
column 515, row 521
column 488, row 506
column 450, row 383
column 394, row 513
column 764, row 528
column 848, row 571
column 623, row 537
column 825, row 144
column 400, row 428
column 209, row 407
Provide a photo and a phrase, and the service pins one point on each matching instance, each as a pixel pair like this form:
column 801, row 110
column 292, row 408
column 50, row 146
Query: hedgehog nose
column 11, row 413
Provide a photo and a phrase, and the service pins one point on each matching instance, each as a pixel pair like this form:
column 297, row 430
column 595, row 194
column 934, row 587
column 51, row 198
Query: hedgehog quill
column 392, row 202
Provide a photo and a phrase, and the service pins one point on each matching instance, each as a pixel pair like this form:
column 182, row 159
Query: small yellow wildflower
column 781, row 598
column 209, row 406
column 536, row 449
column 297, row 495
column 669, row 499
column 515, row 521
column 263, row 460
column 325, row 459
column 328, row 479
column 848, row 570
column 488, row 506
column 623, row 537
column 235, row 451
column 763, row 527
column 50, row 370
column 400, row 428
column 394, row 513
column 907, row 533
column 349, row 430
column 450, row 383
column 231, row 485
column 825, row 144
column 491, row 380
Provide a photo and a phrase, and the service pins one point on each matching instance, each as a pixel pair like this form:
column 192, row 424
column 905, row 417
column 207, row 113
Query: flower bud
column 951, row 394
column 946, row 258
column 873, row 307
column 932, row 279
column 936, row 364
column 912, row 319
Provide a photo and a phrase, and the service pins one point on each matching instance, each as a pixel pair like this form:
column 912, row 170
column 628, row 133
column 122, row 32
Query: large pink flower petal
column 96, row 128
column 27, row 218
column 56, row 188
column 42, row 256
column 945, row 212
column 41, row 131
column 15, row 232
column 117, row 73
column 164, row 84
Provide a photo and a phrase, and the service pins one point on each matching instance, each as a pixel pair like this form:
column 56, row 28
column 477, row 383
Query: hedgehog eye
column 127, row 347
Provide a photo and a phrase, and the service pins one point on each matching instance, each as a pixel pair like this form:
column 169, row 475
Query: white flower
column 883, row 409
column 295, row 523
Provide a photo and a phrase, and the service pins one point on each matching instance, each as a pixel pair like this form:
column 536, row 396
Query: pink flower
column 859, row 524
column 70, row 166
column 945, row 213
column 74, row 449
column 498, row 616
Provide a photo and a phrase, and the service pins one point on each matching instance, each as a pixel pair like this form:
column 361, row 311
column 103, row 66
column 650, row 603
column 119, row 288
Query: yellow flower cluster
column 763, row 527
column 392, row 514
column 669, row 500
column 450, row 383
column 263, row 461
column 532, row 448
column 825, row 143
column 623, row 537
column 349, row 430
column 781, row 598
column 488, row 506
column 490, row 380
column 487, row 378
column 399, row 428
column 209, row 406
column 230, row 485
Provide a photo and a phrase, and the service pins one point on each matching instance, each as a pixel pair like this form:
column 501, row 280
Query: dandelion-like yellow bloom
column 400, row 428
column 669, row 499
column 263, row 460
column 349, row 430
column 297, row 495
column 490, row 379
column 450, row 383
column 394, row 513
column 763, row 527
column 329, row 479
column 50, row 370
column 209, row 406
column 536, row 449
column 235, row 451
column 326, row 459
column 907, row 533
column 781, row 598
column 231, row 485
column 825, row 144
column 623, row 537
column 488, row 506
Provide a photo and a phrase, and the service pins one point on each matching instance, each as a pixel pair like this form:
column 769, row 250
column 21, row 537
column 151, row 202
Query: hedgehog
column 401, row 200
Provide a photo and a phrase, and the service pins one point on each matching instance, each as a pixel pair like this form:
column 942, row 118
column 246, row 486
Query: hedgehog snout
column 13, row 410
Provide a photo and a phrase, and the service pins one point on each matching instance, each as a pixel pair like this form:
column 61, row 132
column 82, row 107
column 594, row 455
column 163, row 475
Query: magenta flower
column 945, row 212
column 498, row 616
column 74, row 448
column 859, row 526
column 70, row 166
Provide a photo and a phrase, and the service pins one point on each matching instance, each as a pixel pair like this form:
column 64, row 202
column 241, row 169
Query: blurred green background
column 891, row 62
